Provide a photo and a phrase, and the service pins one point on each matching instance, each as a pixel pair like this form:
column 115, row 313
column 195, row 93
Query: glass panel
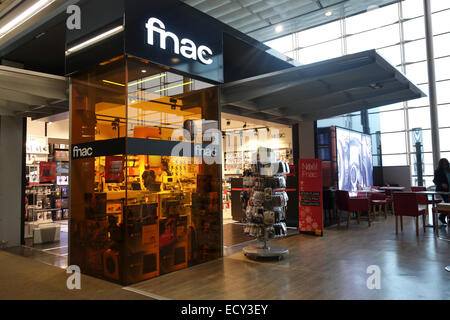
column 415, row 51
column 99, row 97
column 426, row 140
column 319, row 34
column 98, row 112
column 283, row 44
column 394, row 160
column 392, row 121
column 444, row 135
column 443, row 92
column 320, row 52
column 414, row 29
column 373, row 39
column 419, row 118
column 444, row 115
column 437, row 5
column 417, row 72
column 152, row 209
column 391, row 54
column 395, row 106
column 442, row 67
column 412, row 8
column 427, row 161
column 421, row 102
column 440, row 22
column 166, row 108
column 372, row 19
column 441, row 47
column 393, row 143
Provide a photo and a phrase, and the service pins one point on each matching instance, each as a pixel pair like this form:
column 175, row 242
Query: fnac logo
column 186, row 47
column 82, row 152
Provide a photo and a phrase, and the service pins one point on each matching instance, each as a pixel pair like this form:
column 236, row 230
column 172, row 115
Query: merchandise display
column 265, row 203
column 139, row 209
column 47, row 190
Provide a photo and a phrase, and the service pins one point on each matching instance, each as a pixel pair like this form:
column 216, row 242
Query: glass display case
column 144, row 200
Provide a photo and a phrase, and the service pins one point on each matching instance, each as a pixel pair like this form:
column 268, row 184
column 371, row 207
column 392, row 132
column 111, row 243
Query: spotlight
column 228, row 122
column 245, row 125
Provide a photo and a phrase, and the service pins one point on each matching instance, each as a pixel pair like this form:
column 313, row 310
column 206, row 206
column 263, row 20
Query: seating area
column 374, row 202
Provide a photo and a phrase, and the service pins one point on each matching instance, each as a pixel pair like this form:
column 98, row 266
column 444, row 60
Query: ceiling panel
column 258, row 18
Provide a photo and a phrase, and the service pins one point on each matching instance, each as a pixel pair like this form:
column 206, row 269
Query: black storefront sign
column 138, row 146
column 175, row 35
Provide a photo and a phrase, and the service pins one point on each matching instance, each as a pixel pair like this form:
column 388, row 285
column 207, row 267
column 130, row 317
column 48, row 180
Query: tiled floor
column 329, row 267
column 332, row 267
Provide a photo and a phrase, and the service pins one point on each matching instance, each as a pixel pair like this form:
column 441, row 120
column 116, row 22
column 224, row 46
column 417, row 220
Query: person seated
column 442, row 180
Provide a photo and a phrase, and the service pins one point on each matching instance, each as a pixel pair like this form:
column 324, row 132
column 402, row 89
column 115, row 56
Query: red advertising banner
column 114, row 169
column 310, row 196
column 47, row 172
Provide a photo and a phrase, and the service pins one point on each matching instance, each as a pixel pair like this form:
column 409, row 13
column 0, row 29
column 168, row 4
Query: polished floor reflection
column 54, row 254
column 332, row 267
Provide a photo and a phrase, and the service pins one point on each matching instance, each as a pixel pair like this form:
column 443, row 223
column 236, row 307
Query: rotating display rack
column 264, row 201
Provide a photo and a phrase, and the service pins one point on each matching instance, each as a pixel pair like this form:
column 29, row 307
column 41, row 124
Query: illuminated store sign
column 174, row 35
column 188, row 47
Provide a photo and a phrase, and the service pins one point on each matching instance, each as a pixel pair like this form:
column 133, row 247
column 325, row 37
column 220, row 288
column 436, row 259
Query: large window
column 397, row 32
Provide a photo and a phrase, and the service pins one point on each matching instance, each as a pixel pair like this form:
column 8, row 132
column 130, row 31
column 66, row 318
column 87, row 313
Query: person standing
column 442, row 181
column 148, row 177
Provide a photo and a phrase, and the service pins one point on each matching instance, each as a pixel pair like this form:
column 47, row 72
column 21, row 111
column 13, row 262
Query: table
column 433, row 196
column 392, row 188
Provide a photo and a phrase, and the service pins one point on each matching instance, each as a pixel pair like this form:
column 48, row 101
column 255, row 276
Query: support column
column 11, row 170
column 432, row 84
column 307, row 140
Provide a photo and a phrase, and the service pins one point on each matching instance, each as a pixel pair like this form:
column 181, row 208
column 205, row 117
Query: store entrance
column 47, row 187
column 242, row 136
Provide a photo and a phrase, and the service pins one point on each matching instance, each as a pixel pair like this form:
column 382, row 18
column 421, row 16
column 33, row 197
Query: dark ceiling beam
column 6, row 112
column 259, row 116
column 21, row 97
column 359, row 105
column 252, row 108
column 286, row 101
column 345, row 99
column 252, row 89
column 48, row 92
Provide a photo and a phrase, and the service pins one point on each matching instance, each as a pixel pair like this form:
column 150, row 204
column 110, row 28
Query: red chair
column 379, row 201
column 406, row 205
column 423, row 198
column 345, row 203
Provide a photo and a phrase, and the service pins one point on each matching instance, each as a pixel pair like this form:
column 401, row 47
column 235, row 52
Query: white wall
column 56, row 130
column 10, row 179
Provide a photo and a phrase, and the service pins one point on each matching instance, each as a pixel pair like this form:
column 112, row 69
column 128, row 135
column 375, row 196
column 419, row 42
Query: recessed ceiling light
column 278, row 28
column 329, row 13
column 144, row 71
